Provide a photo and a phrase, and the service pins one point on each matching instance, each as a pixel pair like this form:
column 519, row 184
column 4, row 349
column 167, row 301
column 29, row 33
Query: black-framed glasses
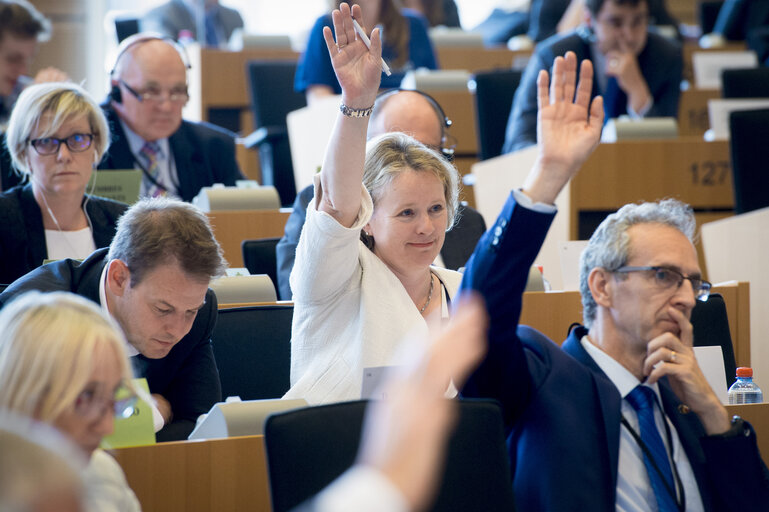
column 122, row 404
column 666, row 277
column 155, row 95
column 77, row 143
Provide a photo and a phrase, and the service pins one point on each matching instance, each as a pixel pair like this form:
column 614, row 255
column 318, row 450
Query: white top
column 360, row 488
column 106, row 489
column 634, row 491
column 350, row 311
column 77, row 245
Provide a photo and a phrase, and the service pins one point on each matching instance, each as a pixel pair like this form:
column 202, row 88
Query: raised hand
column 568, row 127
column 357, row 68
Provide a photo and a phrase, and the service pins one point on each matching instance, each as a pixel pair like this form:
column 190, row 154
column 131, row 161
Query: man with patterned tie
column 144, row 109
column 636, row 71
column 620, row 417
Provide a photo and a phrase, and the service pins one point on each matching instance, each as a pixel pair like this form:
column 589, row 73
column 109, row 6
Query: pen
column 367, row 42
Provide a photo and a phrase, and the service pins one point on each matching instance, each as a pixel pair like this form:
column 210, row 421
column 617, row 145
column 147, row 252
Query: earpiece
column 115, row 94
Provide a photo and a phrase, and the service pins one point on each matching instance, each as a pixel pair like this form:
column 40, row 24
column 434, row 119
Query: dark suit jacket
column 457, row 247
column 187, row 377
column 660, row 62
column 22, row 236
column 174, row 16
column 562, row 412
column 204, row 154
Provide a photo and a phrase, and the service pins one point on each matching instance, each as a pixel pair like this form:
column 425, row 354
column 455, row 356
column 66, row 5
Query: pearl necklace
column 429, row 294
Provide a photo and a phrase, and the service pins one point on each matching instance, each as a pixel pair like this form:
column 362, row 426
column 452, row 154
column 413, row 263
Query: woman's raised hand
column 357, row 67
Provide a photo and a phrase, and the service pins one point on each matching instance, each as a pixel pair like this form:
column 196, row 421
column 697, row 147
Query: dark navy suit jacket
column 204, row 154
column 660, row 62
column 562, row 412
column 187, row 377
column 22, row 235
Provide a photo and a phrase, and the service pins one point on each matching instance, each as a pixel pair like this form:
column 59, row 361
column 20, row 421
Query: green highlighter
column 137, row 428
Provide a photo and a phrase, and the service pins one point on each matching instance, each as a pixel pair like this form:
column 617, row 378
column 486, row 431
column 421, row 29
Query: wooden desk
column 758, row 416
column 481, row 59
column 693, row 117
column 552, row 312
column 199, row 476
column 232, row 227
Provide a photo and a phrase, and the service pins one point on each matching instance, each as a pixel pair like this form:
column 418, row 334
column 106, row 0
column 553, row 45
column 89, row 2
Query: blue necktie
column 642, row 399
column 614, row 100
column 151, row 151
column 212, row 38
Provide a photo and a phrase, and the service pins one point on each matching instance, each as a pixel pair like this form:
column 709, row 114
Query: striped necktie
column 642, row 399
column 150, row 152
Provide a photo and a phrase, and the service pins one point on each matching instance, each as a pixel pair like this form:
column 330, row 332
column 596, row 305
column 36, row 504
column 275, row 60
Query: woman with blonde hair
column 406, row 46
column 56, row 136
column 63, row 362
column 363, row 278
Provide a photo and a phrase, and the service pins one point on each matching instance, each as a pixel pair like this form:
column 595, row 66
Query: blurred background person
column 63, row 362
column 55, row 137
column 175, row 16
column 406, row 46
column 437, row 12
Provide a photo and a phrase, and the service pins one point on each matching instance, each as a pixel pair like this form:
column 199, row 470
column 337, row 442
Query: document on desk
column 711, row 362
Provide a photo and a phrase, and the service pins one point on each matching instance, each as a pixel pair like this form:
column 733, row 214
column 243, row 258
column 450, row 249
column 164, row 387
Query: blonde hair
column 390, row 154
column 64, row 102
column 47, row 347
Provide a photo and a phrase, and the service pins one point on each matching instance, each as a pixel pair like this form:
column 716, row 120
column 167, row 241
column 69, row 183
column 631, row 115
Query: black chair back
column 494, row 92
column 749, row 152
column 711, row 328
column 308, row 448
column 259, row 257
column 126, row 27
column 745, row 83
column 252, row 347
column 271, row 83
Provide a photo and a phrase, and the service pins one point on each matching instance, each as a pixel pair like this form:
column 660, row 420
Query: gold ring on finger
column 672, row 356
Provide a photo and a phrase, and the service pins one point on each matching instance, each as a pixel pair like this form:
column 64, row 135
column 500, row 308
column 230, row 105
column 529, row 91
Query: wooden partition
column 758, row 416
column 693, row 117
column 232, row 227
column 553, row 312
column 199, row 476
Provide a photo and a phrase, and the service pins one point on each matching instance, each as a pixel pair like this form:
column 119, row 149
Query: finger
column 543, row 81
column 570, row 80
column 686, row 335
column 585, row 86
column 376, row 43
column 596, row 111
column 339, row 35
column 349, row 30
column 330, row 43
column 557, row 82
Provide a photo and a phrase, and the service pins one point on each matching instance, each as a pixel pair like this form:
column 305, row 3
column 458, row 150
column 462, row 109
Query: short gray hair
column 393, row 153
column 63, row 101
column 608, row 247
column 157, row 231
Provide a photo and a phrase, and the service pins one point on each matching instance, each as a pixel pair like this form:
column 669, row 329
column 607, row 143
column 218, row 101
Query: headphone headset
column 447, row 149
column 115, row 94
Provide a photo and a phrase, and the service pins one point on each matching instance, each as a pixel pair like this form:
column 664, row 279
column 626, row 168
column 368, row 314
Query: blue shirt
column 315, row 64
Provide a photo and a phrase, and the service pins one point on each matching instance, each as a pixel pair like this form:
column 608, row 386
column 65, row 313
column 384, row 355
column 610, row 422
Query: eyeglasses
column 155, row 95
column 89, row 405
column 666, row 278
column 77, row 143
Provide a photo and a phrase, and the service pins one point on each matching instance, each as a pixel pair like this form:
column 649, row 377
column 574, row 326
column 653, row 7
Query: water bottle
column 744, row 390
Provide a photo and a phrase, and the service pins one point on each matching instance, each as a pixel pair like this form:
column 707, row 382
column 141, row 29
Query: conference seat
column 271, row 86
column 493, row 98
column 745, row 83
column 710, row 327
column 259, row 257
column 308, row 448
column 749, row 154
column 252, row 348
